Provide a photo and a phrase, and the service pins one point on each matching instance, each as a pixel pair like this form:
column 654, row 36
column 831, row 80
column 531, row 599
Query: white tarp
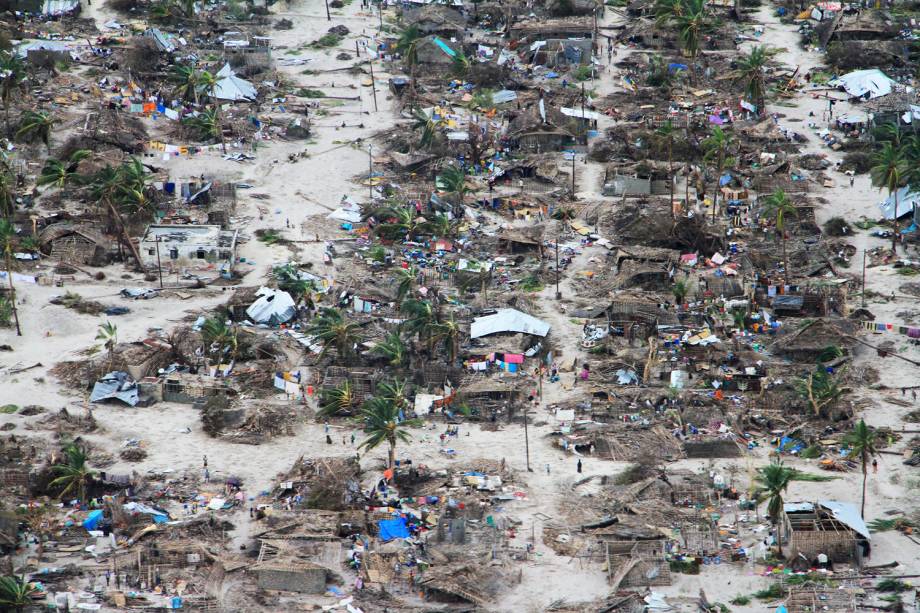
column 906, row 202
column 508, row 320
column 231, row 87
column 272, row 307
column 872, row 82
column 581, row 113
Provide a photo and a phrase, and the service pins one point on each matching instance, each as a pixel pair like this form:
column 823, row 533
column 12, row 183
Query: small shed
column 73, row 244
column 526, row 240
column 437, row 19
column 829, row 527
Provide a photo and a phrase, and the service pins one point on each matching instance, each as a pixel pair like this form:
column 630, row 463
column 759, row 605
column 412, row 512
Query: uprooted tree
column 820, row 389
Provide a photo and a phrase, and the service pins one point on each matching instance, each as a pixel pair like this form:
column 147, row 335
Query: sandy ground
column 310, row 187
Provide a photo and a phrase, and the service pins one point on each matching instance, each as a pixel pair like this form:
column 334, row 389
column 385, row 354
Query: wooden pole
column 370, row 62
column 159, row 264
column 864, row 279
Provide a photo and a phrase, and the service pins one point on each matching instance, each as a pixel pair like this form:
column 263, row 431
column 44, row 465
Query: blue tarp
column 393, row 529
column 674, row 67
column 444, row 47
column 92, row 520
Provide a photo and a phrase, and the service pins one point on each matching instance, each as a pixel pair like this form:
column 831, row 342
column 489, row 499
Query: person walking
column 874, row 466
column 578, row 466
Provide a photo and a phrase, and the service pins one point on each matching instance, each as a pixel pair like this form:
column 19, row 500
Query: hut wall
column 839, row 546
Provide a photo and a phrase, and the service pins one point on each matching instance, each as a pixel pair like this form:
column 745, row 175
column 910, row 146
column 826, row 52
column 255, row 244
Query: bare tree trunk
column 9, row 277
column 785, row 257
column 894, row 237
column 862, row 508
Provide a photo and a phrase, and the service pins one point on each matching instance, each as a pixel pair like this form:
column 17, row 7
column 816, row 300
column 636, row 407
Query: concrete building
column 188, row 243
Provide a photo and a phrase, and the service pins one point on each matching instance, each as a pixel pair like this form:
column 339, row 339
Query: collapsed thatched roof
column 816, row 335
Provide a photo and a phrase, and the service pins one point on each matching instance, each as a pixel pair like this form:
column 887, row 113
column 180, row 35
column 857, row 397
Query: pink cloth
column 514, row 358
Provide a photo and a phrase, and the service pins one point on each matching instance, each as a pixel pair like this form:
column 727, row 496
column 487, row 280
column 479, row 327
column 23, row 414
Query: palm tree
column 338, row 400
column 37, row 124
column 667, row 130
column 778, row 206
column 396, row 221
column 716, row 147
column 889, row 171
column 7, row 236
column 107, row 334
column 382, row 424
column 440, row 225
column 453, row 181
column 862, row 444
column 395, row 391
column 407, row 45
column 393, row 349
column 423, row 321
column 220, row 338
column 332, row 329
column 7, row 191
column 679, row 289
column 73, row 473
column 460, row 65
column 14, row 71
column 60, row 173
column 15, row 593
column 209, row 83
column 667, row 10
column 428, row 127
column 448, row 332
column 565, row 214
column 188, row 83
column 206, row 124
column 407, row 282
column 691, row 24
column 116, row 187
column 288, row 279
column 660, row 75
column 751, row 72
column 772, row 481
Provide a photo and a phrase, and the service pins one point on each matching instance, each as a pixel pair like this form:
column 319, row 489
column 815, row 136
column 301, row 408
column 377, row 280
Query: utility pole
column 558, row 295
column 370, row 173
column 527, row 442
column 159, row 265
column 864, row 279
column 370, row 62
column 328, row 16
column 573, row 173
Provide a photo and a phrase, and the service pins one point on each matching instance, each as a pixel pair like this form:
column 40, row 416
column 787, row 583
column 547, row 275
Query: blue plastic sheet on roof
column 393, row 529
column 444, row 47
column 92, row 520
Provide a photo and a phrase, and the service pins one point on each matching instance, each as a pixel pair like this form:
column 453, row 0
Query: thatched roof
column 816, row 335
column 57, row 230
